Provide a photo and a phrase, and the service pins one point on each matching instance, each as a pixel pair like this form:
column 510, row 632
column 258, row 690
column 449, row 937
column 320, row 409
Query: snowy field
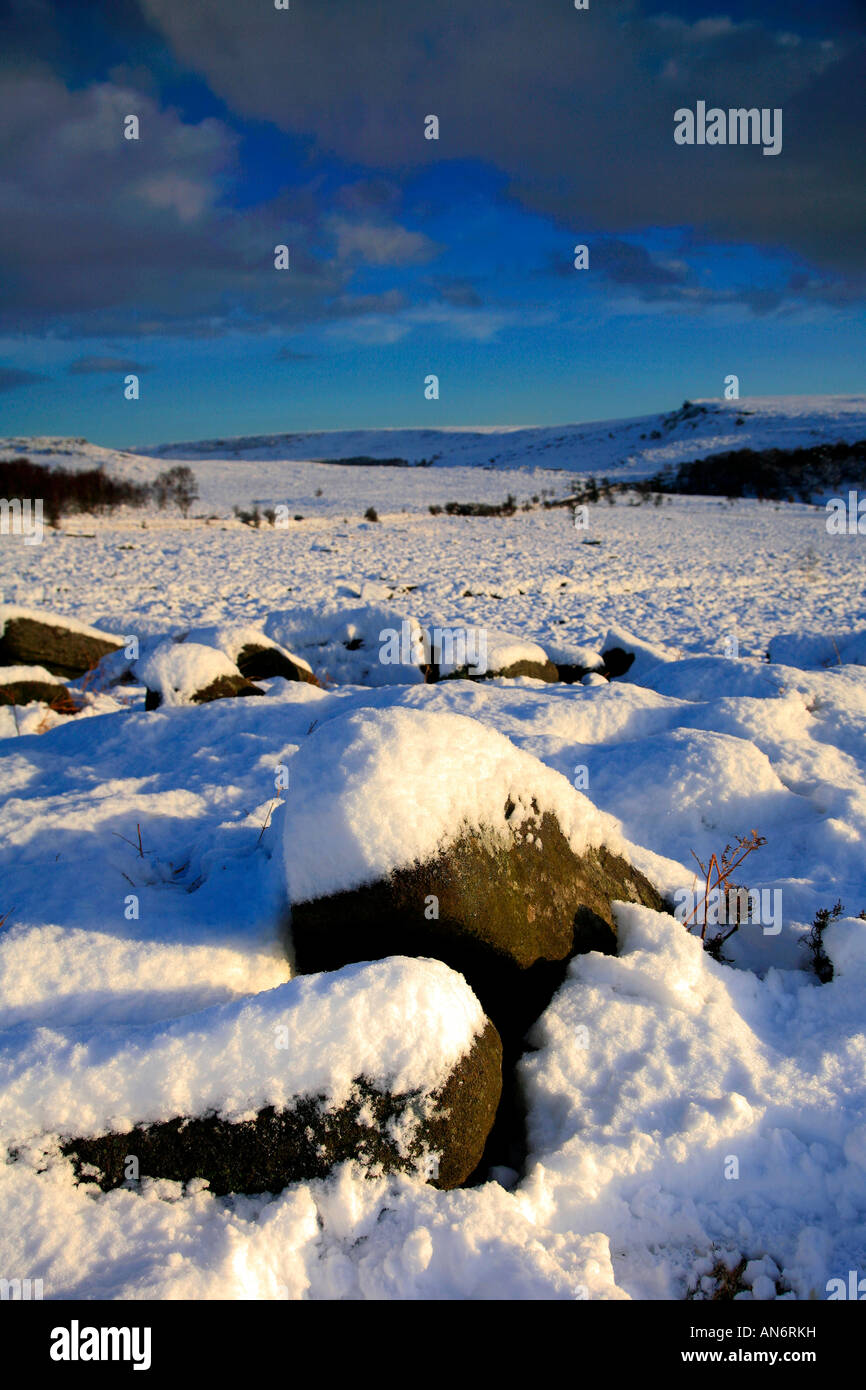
column 682, row 1113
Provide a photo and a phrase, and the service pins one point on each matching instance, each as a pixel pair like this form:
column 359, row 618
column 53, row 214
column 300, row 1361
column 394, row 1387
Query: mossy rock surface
column 29, row 692
column 223, row 688
column 538, row 670
column 63, row 652
column 306, row 1141
column 512, row 911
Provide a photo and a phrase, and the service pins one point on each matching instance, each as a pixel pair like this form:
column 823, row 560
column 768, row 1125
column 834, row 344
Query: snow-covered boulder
column 623, row 653
column 573, row 662
column 416, row 832
column 501, row 655
column 256, row 656
column 392, row 1065
column 181, row 673
column 370, row 643
column 23, row 685
column 30, row 637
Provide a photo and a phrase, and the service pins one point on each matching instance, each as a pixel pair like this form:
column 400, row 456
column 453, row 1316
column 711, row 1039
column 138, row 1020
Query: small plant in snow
column 717, row 880
column 813, row 940
column 721, row 1284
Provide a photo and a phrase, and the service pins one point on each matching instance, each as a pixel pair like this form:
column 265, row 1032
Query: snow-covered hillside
column 630, row 448
column 623, row 448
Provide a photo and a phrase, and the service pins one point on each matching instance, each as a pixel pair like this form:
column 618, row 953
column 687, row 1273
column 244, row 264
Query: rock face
column 573, row 662
column 625, row 654
column 617, row 661
column 223, row 688
column 538, row 670
column 64, row 651
column 25, row 685
column 512, row 909
column 573, row 672
column 261, row 663
column 498, row 655
column 383, row 1132
column 569, row 673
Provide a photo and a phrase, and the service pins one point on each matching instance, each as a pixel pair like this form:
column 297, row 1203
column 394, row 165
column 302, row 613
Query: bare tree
column 177, row 485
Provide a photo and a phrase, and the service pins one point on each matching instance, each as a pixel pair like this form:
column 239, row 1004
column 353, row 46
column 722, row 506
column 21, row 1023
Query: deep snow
column 653, row 1070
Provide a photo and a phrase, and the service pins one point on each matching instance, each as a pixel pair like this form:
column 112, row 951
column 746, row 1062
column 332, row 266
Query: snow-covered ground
column 681, row 1112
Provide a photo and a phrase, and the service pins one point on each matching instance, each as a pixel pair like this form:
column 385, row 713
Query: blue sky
column 409, row 256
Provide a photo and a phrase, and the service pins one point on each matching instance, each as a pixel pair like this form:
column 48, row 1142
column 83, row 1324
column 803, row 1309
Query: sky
column 409, row 256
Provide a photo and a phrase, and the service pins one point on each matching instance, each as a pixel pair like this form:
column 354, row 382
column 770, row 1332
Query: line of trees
column 65, row 491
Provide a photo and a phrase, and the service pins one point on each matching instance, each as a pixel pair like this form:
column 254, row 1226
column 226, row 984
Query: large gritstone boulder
column 392, row 1065
column 64, row 647
column 429, row 834
column 262, row 661
column 25, row 685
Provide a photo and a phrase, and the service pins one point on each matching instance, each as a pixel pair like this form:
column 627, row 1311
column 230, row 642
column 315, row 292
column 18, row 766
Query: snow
column 403, row 1024
column 344, row 643
column 685, row 1065
column 809, row 649
column 349, row 1238
column 428, row 775
column 11, row 675
column 563, row 653
column 653, row 1067
column 88, row 977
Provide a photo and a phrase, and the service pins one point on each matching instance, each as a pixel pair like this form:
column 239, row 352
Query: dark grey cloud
column 459, row 293
column 629, row 263
column 286, row 354
column 13, row 377
column 112, row 237
column 575, row 106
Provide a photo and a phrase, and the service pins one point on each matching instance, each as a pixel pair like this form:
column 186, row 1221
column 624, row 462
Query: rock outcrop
column 64, row 648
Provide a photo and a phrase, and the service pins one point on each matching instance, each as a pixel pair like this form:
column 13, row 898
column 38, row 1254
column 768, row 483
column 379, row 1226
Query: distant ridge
column 628, row 448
